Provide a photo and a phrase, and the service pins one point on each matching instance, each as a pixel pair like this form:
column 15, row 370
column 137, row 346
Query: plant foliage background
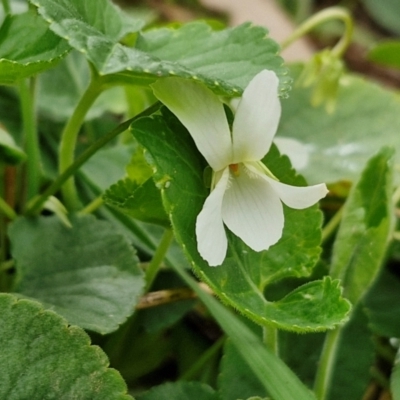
column 103, row 294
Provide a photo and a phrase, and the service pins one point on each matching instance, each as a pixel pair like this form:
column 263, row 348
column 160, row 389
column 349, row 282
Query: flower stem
column 36, row 204
column 7, row 210
column 326, row 364
column 69, row 137
column 328, row 14
column 270, row 338
column 92, row 206
column 27, row 98
column 6, row 7
column 331, row 226
column 154, row 266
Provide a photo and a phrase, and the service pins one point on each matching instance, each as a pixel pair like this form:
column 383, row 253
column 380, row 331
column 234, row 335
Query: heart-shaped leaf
column 242, row 278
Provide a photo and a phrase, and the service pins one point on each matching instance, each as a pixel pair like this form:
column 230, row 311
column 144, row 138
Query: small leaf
column 142, row 202
column 42, row 358
column 180, row 391
column 88, row 274
column 366, row 226
column 27, row 47
column 225, row 60
column 10, row 153
column 240, row 281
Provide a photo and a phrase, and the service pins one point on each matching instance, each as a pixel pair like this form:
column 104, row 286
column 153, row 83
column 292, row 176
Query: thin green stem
column 7, row 210
column 270, row 339
column 332, row 225
column 36, row 204
column 193, row 371
column 159, row 255
column 326, row 364
column 6, row 7
column 328, row 14
column 396, row 196
column 92, row 206
column 69, row 137
column 27, row 98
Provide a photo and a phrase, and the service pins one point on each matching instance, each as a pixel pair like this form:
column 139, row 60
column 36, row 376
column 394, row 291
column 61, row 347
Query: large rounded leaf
column 87, row 273
column 366, row 117
column 224, row 60
column 41, row 357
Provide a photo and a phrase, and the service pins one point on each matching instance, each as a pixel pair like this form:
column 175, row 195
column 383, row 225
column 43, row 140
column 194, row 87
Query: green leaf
column 42, row 358
column 61, row 88
column 386, row 53
column 365, row 230
column 180, row 391
column 225, row 60
column 142, row 202
column 10, row 153
column 385, row 13
column 27, row 47
column 240, row 281
column 88, row 274
column 236, row 379
column 341, row 143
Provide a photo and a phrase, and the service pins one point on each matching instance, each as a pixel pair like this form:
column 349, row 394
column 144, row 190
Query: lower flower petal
column 298, row 197
column 253, row 211
column 210, row 232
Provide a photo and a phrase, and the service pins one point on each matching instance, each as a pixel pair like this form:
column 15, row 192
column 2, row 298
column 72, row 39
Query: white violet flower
column 245, row 196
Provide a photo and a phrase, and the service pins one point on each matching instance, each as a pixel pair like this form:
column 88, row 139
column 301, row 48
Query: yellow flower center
column 234, row 169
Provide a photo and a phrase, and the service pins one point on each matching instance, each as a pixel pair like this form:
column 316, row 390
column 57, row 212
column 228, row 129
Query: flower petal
column 257, row 118
column 210, row 232
column 298, row 197
column 203, row 115
column 253, row 211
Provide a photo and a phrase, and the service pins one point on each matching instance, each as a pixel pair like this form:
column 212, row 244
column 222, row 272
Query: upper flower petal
column 257, row 118
column 298, row 197
column 210, row 232
column 253, row 211
column 203, row 115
